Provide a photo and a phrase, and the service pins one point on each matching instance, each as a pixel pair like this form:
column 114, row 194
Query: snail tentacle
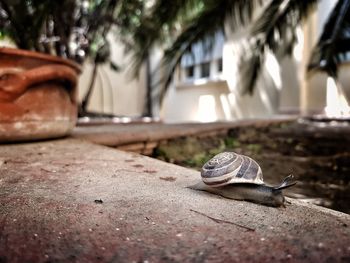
column 287, row 182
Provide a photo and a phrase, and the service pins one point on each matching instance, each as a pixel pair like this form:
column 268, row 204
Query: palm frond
column 250, row 66
column 274, row 30
column 166, row 21
column 333, row 45
column 158, row 22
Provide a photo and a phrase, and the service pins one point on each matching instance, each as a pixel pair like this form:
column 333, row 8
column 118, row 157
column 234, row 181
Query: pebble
column 320, row 245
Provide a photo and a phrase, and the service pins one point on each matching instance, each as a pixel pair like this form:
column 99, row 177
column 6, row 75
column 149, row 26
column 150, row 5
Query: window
column 219, row 65
column 205, row 70
column 189, row 72
column 199, row 64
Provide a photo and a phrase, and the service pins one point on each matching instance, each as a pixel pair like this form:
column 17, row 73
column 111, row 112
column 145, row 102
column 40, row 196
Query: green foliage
column 197, row 160
column 73, row 29
column 231, row 142
column 22, row 21
column 194, row 152
column 190, row 151
column 254, row 148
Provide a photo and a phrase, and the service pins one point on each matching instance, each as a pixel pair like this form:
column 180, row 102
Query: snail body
column 239, row 177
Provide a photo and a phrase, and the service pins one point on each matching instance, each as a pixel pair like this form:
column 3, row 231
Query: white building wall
column 115, row 92
column 191, row 103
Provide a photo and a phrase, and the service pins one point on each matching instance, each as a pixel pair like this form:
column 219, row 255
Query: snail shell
column 228, row 168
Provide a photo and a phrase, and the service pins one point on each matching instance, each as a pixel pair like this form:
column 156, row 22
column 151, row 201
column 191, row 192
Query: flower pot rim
column 39, row 55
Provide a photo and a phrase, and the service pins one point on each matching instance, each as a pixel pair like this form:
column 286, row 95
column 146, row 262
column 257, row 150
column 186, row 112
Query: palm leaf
column 333, row 45
column 250, row 66
column 157, row 24
column 164, row 20
column 274, row 30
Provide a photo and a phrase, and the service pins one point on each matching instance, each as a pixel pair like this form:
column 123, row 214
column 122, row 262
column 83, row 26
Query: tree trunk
column 86, row 99
column 149, row 103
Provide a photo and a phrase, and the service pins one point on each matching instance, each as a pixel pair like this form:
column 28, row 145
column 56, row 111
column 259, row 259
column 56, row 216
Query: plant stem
column 87, row 96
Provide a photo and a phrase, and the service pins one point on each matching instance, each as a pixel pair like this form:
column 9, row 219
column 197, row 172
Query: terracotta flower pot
column 38, row 95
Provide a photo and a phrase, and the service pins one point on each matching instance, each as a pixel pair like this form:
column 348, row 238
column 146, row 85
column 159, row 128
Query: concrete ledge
column 143, row 138
column 124, row 134
column 68, row 200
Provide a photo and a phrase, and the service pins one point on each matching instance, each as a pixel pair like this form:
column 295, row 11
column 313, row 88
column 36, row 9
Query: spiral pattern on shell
column 229, row 168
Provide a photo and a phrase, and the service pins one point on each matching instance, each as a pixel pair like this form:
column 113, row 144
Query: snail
column 239, row 177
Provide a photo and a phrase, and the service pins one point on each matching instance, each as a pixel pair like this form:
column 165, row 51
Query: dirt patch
column 318, row 156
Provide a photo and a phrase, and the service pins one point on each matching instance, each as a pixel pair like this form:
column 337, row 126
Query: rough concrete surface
column 72, row 201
